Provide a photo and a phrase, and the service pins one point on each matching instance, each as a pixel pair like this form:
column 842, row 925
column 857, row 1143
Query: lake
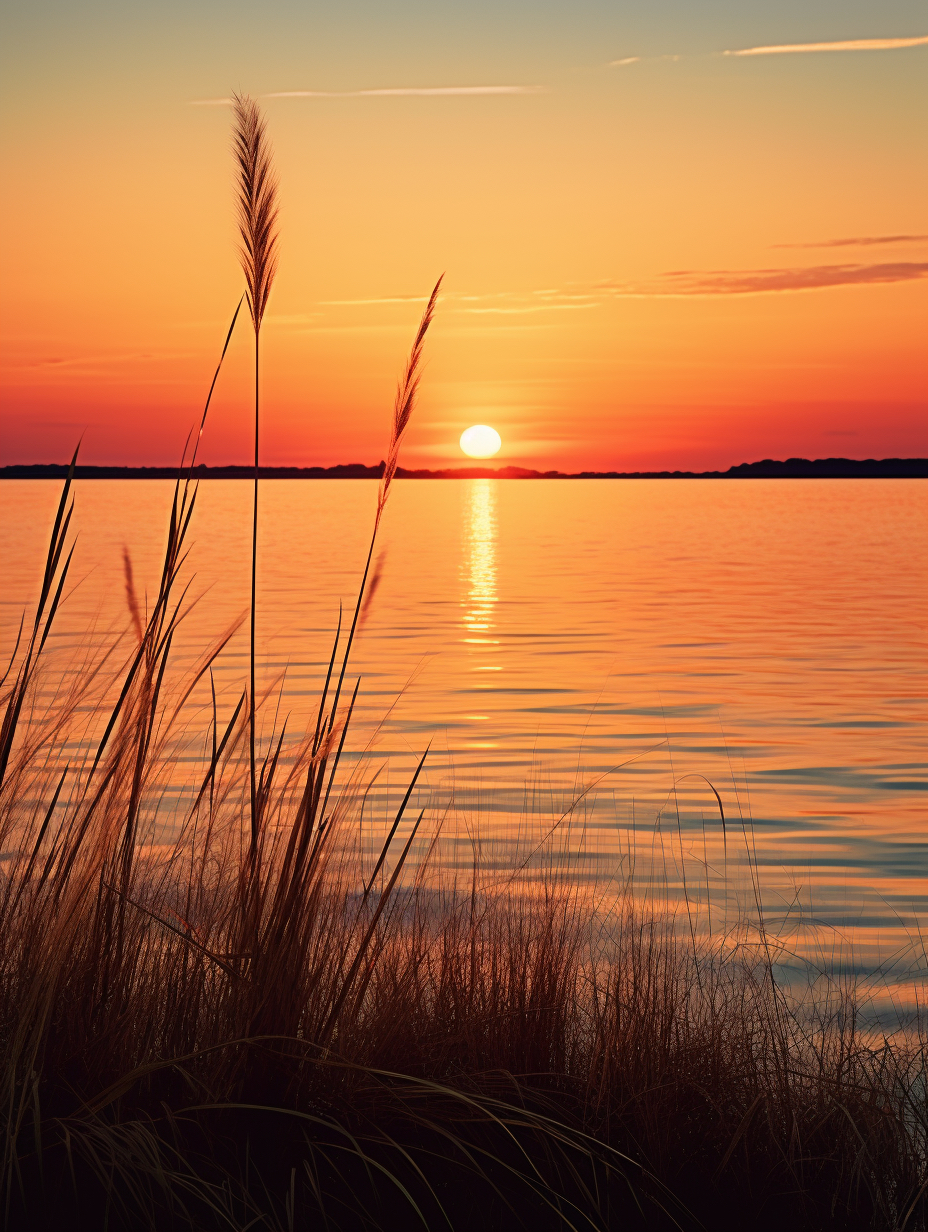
column 633, row 640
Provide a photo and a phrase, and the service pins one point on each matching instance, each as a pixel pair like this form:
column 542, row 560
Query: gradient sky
column 656, row 254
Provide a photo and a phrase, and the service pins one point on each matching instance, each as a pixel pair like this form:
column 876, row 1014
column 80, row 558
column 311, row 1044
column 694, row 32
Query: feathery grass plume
column 403, row 407
column 132, row 600
column 257, row 223
column 257, row 204
column 405, row 402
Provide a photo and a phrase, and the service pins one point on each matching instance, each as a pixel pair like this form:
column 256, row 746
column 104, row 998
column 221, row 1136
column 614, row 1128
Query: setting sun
column 481, row 441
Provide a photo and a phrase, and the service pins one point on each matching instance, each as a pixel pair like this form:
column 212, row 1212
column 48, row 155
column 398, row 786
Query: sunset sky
column 659, row 250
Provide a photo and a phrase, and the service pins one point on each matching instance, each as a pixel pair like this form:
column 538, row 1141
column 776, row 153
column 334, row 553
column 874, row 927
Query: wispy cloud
column 877, row 44
column 110, row 360
column 640, row 60
column 547, row 299
column 785, row 49
column 522, row 309
column 502, row 303
column 806, row 278
column 380, row 299
column 409, row 92
column 860, row 241
column 508, row 306
column 393, row 92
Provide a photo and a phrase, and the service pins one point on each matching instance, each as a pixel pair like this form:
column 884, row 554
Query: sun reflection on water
column 478, row 566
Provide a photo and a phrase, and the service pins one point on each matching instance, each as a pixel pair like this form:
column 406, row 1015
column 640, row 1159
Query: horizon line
column 360, row 470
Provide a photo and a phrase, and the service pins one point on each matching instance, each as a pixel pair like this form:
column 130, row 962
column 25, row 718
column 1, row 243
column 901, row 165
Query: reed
column 404, row 403
column 257, row 223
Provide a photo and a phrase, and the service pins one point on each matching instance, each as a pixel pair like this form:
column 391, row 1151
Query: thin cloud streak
column 678, row 283
column 527, row 308
column 675, row 284
column 860, row 241
column 808, row 278
column 502, row 303
column 382, row 299
column 784, row 49
column 641, row 60
column 410, row 92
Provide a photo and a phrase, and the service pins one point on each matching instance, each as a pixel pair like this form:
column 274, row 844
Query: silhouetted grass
column 257, row 210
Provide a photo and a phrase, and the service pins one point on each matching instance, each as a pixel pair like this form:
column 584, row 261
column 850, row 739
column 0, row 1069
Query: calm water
column 767, row 635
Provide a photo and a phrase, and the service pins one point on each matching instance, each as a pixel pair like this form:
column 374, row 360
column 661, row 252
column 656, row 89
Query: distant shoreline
column 792, row 468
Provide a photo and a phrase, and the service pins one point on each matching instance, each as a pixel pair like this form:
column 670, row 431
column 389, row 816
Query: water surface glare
column 767, row 636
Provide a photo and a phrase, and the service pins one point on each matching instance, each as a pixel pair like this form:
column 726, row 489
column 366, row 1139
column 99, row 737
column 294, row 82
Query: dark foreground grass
column 289, row 1034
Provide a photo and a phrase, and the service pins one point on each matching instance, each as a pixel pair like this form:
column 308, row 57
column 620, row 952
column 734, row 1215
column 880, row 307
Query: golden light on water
column 479, row 592
column 481, row 441
column 479, row 563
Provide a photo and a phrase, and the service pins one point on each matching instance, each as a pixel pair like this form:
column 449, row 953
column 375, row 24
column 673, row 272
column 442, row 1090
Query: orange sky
column 648, row 264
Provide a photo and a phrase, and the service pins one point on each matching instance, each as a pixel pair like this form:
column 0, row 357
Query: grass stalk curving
column 258, row 252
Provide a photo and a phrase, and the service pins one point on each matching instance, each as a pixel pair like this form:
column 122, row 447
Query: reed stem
column 257, row 220
column 252, row 758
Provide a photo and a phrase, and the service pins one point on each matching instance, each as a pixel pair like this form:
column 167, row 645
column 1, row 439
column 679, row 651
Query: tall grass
column 257, row 223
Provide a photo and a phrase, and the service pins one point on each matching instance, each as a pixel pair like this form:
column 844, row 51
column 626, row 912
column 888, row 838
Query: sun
column 481, row 441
